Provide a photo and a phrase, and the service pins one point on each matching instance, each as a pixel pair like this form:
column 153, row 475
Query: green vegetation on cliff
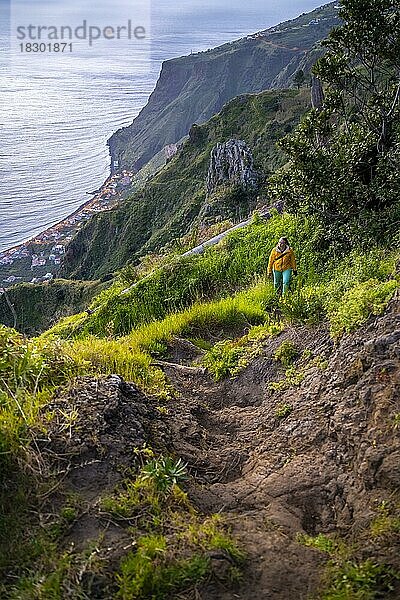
column 34, row 308
column 226, row 290
column 170, row 203
column 344, row 156
column 294, row 395
column 193, row 88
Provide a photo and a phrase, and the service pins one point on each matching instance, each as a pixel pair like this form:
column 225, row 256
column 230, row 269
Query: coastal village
column 39, row 259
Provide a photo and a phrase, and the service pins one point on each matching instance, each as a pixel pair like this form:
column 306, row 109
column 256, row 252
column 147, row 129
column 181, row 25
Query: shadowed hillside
column 170, row 203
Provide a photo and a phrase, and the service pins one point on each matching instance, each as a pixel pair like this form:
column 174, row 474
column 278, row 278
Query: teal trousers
column 282, row 280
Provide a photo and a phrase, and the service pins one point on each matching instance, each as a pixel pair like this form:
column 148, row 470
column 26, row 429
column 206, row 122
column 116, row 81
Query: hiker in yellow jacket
column 282, row 264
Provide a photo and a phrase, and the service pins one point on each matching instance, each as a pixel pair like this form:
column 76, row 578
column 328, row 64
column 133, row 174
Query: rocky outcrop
column 232, row 163
column 110, row 419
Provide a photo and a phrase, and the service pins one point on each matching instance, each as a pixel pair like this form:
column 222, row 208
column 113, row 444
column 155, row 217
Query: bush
column 224, row 358
column 283, row 410
column 303, row 305
column 229, row 357
column 29, row 372
column 361, row 581
column 286, row 353
column 320, row 542
column 366, row 299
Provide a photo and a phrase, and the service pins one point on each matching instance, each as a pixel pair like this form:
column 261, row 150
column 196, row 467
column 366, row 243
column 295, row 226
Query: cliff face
column 193, row 88
column 172, row 201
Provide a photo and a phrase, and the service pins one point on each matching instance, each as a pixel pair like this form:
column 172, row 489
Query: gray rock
column 232, row 163
column 389, row 472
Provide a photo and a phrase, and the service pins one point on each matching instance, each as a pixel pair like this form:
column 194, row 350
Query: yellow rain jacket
column 281, row 261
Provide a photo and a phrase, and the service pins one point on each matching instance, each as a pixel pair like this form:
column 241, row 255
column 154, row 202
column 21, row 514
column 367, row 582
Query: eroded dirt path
column 322, row 469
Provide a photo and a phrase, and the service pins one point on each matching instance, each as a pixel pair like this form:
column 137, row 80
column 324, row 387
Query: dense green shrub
column 366, row 299
column 344, row 156
column 362, row 581
column 286, row 353
column 148, row 573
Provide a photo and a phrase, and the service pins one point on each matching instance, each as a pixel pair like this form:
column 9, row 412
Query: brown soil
column 321, row 469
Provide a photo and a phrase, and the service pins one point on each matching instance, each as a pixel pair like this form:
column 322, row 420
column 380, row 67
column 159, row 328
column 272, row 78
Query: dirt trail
column 323, row 468
column 319, row 470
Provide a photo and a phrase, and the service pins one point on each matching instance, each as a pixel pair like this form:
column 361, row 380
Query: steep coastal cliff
column 168, row 207
column 193, row 88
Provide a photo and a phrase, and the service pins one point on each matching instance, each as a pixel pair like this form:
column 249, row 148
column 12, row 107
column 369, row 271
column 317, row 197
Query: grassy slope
column 171, row 201
column 164, row 209
column 222, row 270
column 224, row 287
column 193, row 88
column 38, row 307
column 220, row 306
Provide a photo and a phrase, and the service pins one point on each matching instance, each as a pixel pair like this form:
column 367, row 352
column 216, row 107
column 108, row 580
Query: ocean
column 57, row 109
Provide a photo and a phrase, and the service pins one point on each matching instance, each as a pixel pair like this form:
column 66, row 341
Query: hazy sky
column 268, row 11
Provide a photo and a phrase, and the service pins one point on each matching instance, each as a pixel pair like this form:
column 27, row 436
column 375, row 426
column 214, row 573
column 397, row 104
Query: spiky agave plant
column 164, row 472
